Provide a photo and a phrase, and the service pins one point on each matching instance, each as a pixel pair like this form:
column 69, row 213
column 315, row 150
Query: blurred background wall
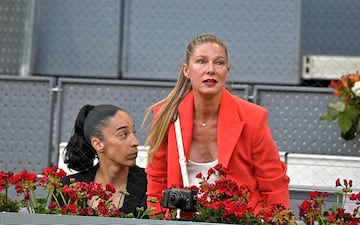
column 56, row 56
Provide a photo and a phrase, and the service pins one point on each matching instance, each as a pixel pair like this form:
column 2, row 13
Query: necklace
column 204, row 124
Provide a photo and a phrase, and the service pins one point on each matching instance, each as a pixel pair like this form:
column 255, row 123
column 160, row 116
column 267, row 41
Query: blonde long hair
column 168, row 112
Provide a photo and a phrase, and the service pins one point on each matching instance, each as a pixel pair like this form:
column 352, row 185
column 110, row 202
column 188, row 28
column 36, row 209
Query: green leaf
column 353, row 109
column 329, row 115
column 347, row 118
column 344, row 122
column 8, row 205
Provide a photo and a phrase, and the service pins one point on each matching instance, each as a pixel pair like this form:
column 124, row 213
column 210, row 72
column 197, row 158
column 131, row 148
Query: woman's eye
column 123, row 135
column 220, row 63
column 201, row 61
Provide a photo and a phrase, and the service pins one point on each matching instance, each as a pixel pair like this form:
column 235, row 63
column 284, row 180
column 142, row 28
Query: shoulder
column 137, row 176
column 137, row 171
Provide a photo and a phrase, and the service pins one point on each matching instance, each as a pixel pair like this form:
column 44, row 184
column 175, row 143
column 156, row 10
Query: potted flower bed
column 217, row 203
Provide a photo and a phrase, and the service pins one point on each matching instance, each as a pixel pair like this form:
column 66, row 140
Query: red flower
column 305, row 207
column 115, row 212
column 51, row 177
column 314, row 194
column 337, row 183
column 331, row 218
column 73, row 208
column 52, row 205
column 69, row 209
column 27, row 196
column 199, row 175
column 110, row 187
column 354, row 197
column 90, row 211
column 24, row 181
column 5, row 179
column 102, row 209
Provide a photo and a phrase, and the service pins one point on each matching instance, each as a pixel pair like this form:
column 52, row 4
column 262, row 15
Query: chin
column 132, row 163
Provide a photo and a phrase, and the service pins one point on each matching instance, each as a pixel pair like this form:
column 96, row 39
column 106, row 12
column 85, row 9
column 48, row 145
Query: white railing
column 309, row 171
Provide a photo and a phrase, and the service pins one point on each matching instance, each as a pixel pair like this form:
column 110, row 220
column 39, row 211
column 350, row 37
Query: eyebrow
column 219, row 56
column 122, row 127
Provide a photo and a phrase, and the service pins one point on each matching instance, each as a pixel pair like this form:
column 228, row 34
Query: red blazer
column 245, row 147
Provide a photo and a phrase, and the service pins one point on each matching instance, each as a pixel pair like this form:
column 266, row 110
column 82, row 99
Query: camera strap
column 182, row 159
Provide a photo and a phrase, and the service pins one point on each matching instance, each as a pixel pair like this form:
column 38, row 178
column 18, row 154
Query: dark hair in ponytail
column 90, row 122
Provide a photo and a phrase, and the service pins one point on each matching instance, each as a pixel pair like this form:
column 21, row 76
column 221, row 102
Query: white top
column 194, row 168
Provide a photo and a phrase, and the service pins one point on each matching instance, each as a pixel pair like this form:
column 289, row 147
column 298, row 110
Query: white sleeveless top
column 194, row 168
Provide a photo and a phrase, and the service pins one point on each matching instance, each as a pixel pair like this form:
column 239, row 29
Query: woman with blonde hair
column 214, row 127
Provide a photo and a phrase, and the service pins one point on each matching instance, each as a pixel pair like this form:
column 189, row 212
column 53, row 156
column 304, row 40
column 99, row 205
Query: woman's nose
column 134, row 140
column 211, row 69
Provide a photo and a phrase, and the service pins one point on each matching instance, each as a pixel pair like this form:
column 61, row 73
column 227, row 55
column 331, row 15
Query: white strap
column 182, row 159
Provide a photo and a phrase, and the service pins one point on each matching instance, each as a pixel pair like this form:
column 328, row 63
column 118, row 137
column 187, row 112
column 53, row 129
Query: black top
column 136, row 187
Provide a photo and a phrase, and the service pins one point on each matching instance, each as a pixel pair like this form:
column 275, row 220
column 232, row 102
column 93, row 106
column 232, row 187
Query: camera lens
column 177, row 199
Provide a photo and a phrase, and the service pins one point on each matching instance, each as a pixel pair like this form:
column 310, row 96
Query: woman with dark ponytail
column 79, row 155
column 107, row 133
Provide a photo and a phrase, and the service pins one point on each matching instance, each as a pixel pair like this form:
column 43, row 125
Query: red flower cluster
column 311, row 210
column 5, row 180
column 51, row 177
column 87, row 199
column 77, row 198
column 222, row 201
column 226, row 202
column 26, row 183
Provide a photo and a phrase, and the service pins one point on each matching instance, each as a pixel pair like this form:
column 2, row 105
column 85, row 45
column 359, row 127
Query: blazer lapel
column 230, row 126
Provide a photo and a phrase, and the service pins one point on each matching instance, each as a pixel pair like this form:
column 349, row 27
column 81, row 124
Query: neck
column 206, row 109
column 115, row 176
column 205, row 115
column 207, row 121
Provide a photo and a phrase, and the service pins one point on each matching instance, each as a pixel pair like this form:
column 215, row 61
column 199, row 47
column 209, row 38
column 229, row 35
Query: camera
column 183, row 199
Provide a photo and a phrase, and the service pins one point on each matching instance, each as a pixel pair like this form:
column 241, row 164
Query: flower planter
column 10, row 218
column 206, row 211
